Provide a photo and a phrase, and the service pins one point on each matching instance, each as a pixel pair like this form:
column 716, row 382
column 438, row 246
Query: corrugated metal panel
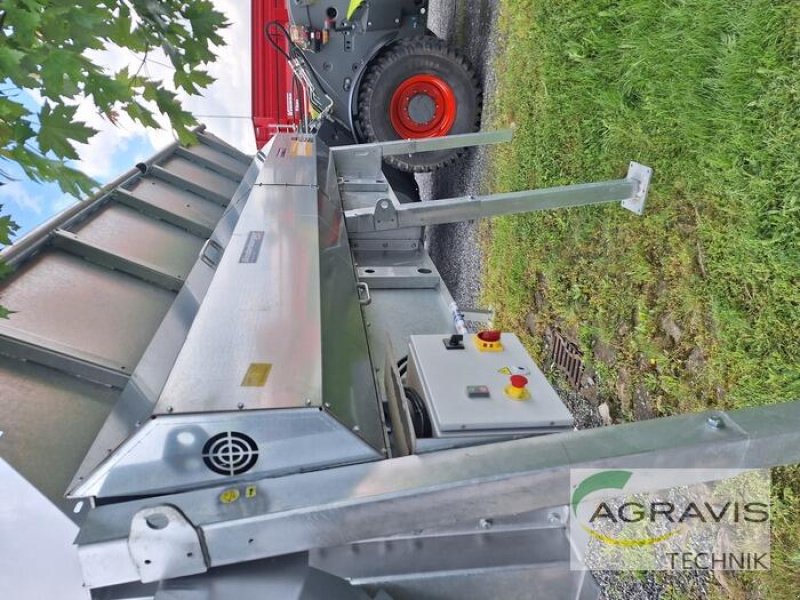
column 130, row 233
column 91, row 289
column 83, row 310
column 55, row 417
column 200, row 175
column 153, row 194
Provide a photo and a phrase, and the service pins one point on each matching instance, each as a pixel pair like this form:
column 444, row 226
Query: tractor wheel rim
column 423, row 106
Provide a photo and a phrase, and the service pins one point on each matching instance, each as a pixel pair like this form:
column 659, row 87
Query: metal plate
column 37, row 554
column 84, row 310
column 129, row 233
column 200, row 175
column 174, row 453
column 291, row 160
column 49, row 420
column 267, row 312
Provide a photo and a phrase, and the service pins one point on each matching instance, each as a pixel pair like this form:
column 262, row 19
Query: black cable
column 419, row 414
column 273, row 43
column 294, row 51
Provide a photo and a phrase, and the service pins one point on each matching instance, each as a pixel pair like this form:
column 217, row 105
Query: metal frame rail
column 414, row 493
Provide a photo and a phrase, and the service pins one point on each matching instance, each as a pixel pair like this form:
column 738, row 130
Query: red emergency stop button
column 518, row 388
column 519, row 381
column 490, row 336
column 489, row 341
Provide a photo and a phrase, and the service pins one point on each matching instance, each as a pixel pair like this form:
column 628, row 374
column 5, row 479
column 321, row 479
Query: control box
column 487, row 385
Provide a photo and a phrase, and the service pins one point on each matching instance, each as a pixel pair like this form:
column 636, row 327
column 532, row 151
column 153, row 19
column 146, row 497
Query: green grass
column 707, row 92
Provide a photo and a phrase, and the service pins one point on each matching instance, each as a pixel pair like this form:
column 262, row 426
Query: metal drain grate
column 567, row 358
column 230, row 453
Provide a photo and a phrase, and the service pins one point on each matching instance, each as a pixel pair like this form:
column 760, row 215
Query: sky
column 119, row 147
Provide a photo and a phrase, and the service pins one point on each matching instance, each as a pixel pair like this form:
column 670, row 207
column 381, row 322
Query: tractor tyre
column 416, row 89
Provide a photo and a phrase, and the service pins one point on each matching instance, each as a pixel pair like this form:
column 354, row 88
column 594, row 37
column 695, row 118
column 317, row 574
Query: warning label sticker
column 257, row 375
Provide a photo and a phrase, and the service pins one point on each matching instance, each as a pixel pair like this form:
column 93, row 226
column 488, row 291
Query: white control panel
column 486, row 387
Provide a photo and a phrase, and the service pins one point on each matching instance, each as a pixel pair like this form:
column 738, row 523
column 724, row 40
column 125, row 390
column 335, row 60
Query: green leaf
column 10, row 64
column 59, row 128
column 108, row 91
column 58, row 69
column 40, row 168
column 193, row 81
column 23, row 22
column 206, row 21
column 139, row 113
column 11, row 110
column 7, row 227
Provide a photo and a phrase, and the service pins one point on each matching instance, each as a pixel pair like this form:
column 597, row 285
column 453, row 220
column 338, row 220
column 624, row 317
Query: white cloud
column 61, row 202
column 229, row 95
column 14, row 196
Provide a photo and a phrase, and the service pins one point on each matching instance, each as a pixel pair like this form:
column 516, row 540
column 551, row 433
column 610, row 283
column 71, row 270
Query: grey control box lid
column 464, row 390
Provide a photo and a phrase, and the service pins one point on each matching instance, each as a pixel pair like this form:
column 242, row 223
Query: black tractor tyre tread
column 406, row 49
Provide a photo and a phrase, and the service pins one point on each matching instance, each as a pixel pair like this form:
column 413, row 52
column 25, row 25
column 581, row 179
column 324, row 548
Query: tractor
column 372, row 70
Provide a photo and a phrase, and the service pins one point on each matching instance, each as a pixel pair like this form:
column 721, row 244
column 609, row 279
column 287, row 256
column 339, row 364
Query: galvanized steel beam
column 24, row 346
column 210, row 164
column 220, row 146
column 361, row 502
column 387, row 214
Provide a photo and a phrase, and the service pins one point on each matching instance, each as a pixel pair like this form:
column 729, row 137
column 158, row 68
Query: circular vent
column 230, row 453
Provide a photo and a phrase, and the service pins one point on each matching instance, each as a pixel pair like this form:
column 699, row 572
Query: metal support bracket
column 641, row 175
column 364, row 297
column 388, row 214
column 163, row 544
column 385, row 215
column 364, row 160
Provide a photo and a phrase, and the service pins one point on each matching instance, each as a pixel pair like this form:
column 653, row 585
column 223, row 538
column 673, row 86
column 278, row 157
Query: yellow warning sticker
column 505, row 371
column 250, row 491
column 257, row 375
column 301, row 149
column 229, row 496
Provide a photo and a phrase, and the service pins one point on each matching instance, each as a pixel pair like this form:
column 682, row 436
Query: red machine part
column 274, row 102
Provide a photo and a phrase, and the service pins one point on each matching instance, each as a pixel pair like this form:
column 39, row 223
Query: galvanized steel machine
column 251, row 382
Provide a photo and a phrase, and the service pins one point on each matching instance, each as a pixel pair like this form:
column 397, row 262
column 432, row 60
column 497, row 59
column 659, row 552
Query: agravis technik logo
column 670, row 519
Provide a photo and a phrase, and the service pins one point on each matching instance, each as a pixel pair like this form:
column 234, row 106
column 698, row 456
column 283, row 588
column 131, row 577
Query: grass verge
column 697, row 304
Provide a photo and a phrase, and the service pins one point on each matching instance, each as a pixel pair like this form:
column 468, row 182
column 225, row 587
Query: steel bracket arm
column 366, row 160
column 388, row 214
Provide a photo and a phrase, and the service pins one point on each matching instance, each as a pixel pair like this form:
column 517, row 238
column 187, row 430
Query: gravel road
column 455, row 248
